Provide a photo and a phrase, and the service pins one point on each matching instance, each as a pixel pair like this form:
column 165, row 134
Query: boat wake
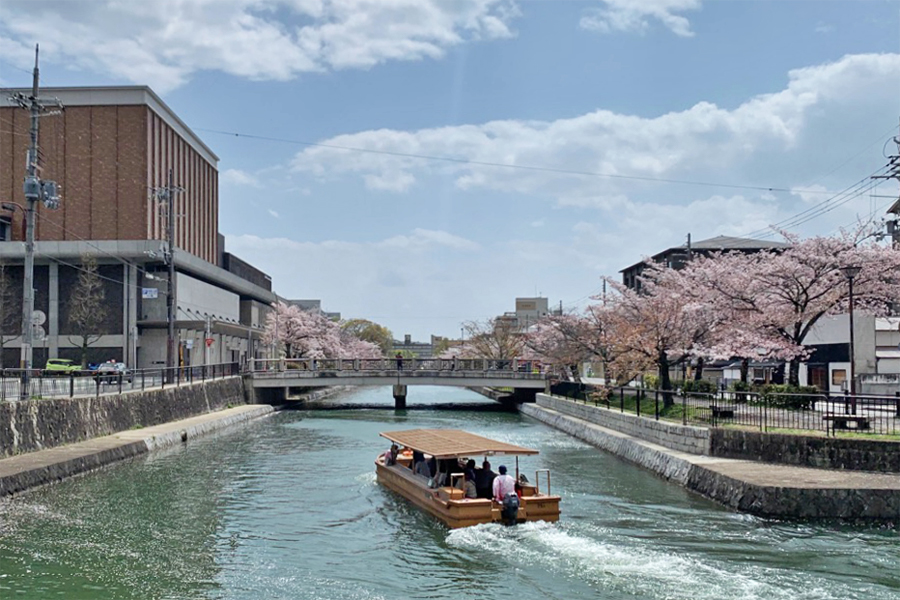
column 633, row 568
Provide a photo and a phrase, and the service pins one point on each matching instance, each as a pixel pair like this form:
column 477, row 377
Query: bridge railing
column 393, row 366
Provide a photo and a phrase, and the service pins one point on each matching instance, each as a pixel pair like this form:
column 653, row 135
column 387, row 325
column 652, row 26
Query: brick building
column 108, row 149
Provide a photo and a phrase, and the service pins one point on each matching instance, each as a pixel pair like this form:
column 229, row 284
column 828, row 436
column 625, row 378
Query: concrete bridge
column 272, row 379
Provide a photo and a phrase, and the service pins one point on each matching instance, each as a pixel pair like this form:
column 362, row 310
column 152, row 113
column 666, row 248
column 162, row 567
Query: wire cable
column 466, row 161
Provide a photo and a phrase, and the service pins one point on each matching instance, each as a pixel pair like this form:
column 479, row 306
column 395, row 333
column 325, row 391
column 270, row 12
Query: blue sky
column 797, row 95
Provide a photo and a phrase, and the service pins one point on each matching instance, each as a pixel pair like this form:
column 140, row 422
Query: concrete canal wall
column 34, row 469
column 695, row 440
column 31, row 425
column 758, row 488
column 807, row 451
column 801, row 450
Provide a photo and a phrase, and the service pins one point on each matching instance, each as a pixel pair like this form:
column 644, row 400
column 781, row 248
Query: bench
column 843, row 421
column 722, row 413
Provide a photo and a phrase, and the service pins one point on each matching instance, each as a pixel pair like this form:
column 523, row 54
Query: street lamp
column 851, row 271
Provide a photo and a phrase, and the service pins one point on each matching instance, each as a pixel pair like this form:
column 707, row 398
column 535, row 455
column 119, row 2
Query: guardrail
column 875, row 414
column 394, row 365
column 44, row 384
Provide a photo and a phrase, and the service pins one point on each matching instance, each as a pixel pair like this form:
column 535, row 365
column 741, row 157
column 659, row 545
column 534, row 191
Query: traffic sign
column 209, row 342
column 38, row 333
column 149, row 293
column 38, row 317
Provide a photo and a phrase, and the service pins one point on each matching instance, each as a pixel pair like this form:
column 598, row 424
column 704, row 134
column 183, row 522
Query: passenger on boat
column 503, row 484
column 468, row 486
column 390, row 457
column 420, row 465
column 484, row 480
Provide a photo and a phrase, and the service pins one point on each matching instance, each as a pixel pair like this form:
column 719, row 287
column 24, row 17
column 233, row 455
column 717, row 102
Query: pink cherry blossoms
column 726, row 306
column 305, row 334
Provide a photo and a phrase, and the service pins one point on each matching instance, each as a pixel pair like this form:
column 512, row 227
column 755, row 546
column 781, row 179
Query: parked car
column 111, row 372
column 61, row 366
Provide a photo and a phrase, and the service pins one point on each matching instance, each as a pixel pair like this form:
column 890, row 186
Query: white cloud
column 770, row 140
column 824, row 28
column 238, row 177
column 811, row 193
column 422, row 239
column 163, row 42
column 273, row 213
column 635, row 16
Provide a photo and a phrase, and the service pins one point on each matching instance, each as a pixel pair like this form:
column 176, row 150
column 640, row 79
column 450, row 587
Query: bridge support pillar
column 399, row 396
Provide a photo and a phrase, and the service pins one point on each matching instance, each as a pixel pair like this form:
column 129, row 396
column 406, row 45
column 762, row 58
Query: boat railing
column 537, row 480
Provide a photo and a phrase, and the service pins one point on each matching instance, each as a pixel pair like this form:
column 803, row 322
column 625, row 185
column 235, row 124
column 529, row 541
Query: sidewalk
column 27, row 471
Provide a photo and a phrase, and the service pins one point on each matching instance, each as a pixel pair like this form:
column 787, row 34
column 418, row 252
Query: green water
column 288, row 507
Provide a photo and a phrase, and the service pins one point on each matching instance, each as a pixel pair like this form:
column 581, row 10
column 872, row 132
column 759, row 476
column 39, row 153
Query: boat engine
column 510, row 510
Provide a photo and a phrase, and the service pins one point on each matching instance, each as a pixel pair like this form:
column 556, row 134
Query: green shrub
column 701, row 386
column 651, row 382
column 788, row 396
column 740, row 386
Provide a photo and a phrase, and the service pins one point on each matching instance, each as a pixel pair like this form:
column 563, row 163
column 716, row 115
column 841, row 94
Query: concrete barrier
column 27, row 471
column 31, row 425
column 695, row 440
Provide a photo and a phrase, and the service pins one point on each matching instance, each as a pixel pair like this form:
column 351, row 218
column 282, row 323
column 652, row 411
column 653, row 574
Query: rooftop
column 451, row 443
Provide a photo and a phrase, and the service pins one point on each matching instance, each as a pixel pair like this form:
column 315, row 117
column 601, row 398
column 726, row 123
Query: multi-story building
column 109, row 149
column 315, row 306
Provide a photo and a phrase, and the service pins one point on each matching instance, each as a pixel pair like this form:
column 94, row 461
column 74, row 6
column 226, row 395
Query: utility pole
column 893, row 227
column 205, row 342
column 35, row 189
column 167, row 194
column 690, row 251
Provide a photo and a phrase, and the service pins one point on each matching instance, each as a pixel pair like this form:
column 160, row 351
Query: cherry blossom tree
column 494, row 339
column 774, row 299
column 307, row 334
column 660, row 326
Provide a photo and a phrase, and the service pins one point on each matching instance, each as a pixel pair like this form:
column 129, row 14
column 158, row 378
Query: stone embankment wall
column 878, row 456
column 27, row 426
column 807, row 451
column 699, row 474
column 695, row 440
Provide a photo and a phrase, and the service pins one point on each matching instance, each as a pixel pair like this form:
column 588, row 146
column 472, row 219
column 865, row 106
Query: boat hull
column 449, row 505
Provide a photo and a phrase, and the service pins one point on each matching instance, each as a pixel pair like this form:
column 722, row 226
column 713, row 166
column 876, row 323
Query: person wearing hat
column 503, row 484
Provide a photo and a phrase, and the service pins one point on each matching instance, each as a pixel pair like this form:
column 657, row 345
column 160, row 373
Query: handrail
column 537, row 481
column 50, row 384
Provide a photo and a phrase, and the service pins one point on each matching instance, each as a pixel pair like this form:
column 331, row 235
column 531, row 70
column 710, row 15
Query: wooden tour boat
column 447, row 502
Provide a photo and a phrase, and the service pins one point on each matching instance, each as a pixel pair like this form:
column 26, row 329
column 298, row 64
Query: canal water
column 288, row 507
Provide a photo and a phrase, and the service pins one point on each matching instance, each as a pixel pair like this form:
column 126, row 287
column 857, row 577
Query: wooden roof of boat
column 451, row 443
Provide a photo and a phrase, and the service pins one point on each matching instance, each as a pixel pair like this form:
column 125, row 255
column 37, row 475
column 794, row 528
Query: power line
column 479, row 163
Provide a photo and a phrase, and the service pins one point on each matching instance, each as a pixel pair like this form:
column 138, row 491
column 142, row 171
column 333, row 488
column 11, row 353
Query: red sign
column 209, row 342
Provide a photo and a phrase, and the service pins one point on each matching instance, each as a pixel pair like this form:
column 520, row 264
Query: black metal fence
column 783, row 412
column 42, row 384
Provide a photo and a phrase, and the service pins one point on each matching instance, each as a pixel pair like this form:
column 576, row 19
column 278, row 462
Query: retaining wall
column 807, row 451
column 695, row 440
column 27, row 426
column 774, row 500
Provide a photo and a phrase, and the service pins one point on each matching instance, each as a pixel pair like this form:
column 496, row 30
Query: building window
column 5, row 230
column 838, row 376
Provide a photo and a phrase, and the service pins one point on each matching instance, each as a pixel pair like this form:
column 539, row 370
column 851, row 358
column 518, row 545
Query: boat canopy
column 452, row 443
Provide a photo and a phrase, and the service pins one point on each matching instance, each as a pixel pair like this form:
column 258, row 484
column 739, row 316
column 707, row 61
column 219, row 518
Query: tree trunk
column 745, row 369
column 84, row 349
column 794, row 372
column 698, row 374
column 665, row 383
